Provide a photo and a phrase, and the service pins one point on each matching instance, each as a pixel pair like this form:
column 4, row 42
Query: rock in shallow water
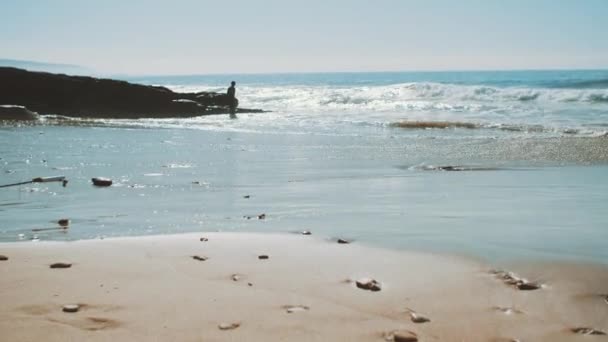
column 14, row 112
column 369, row 284
column 101, row 181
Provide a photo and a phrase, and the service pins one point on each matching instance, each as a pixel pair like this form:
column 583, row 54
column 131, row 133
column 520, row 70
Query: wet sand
column 152, row 288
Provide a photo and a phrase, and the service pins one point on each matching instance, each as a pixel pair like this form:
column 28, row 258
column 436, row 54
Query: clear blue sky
column 200, row 36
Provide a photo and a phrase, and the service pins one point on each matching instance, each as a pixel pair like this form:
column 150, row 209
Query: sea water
column 334, row 156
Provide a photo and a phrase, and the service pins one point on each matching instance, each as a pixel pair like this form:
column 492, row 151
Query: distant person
column 232, row 101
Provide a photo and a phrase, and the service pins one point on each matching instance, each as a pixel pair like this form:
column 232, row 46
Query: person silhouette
column 232, row 101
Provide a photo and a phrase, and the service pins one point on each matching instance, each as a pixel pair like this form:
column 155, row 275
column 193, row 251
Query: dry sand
column 151, row 289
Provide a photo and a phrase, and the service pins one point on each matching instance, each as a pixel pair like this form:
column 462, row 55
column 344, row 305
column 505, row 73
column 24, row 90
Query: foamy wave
column 409, row 97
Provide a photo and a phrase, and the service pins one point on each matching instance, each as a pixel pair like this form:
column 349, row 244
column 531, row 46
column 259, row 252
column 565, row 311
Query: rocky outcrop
column 89, row 97
column 13, row 112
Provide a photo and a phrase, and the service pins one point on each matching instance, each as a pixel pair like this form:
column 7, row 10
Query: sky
column 270, row 36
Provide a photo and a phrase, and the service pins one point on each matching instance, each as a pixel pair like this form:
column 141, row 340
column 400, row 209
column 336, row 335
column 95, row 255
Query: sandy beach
column 152, row 289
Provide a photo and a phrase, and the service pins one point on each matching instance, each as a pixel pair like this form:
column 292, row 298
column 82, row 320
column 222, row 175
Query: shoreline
column 151, row 287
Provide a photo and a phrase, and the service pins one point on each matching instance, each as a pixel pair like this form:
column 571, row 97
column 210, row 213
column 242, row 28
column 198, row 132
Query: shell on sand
column 507, row 310
column 229, row 326
column 417, row 318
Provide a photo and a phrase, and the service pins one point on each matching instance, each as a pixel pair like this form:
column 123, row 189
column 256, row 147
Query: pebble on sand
column 199, row 258
column 64, row 222
column 204, row 239
column 229, row 326
column 402, row 336
column 587, row 331
column 342, row 241
column 263, row 257
column 71, row 308
column 3, row 258
column 61, row 265
column 100, row 181
column 369, row 284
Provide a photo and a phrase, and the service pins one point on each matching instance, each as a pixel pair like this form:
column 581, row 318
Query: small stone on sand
column 342, row 241
column 64, row 222
column 263, row 257
column 229, row 326
column 403, row 336
column 369, row 284
column 61, row 265
column 204, row 239
column 199, row 258
column 3, row 258
column 587, row 331
column 71, row 308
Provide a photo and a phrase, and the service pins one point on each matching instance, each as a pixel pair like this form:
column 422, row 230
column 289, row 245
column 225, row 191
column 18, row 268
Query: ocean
column 494, row 165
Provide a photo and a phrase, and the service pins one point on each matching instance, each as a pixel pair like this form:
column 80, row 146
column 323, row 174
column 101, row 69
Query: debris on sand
column 369, row 284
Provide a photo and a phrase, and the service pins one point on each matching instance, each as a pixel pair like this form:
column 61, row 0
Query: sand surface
column 151, row 289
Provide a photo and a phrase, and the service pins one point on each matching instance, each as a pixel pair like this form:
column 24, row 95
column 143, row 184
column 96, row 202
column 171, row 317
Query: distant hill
column 69, row 69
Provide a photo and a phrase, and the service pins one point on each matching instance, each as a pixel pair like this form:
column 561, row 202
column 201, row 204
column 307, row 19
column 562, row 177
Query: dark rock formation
column 89, row 97
column 12, row 112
